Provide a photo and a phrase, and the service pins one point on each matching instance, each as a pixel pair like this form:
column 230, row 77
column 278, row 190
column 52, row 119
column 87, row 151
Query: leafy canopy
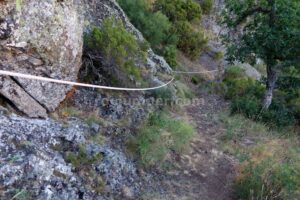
column 270, row 30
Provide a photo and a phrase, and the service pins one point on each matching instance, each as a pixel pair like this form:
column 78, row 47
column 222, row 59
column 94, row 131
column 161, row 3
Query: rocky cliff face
column 45, row 38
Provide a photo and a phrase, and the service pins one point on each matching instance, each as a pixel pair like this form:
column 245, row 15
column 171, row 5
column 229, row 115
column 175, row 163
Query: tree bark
column 270, row 85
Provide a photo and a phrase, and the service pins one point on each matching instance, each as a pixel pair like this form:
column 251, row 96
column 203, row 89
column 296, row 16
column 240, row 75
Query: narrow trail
column 203, row 172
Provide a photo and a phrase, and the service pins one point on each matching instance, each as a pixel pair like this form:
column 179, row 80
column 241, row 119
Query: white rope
column 203, row 72
column 39, row 78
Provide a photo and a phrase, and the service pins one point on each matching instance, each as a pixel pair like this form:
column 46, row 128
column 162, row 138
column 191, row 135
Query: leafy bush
column 219, row 55
column 206, row 6
column 169, row 54
column 155, row 26
column 278, row 115
column 179, row 10
column 250, row 107
column 159, row 136
column 162, row 26
column 117, row 45
column 191, row 41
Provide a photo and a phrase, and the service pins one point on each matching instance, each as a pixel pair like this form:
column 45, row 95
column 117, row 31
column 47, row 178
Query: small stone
column 127, row 192
column 22, row 57
column 21, row 45
column 35, row 61
column 95, row 127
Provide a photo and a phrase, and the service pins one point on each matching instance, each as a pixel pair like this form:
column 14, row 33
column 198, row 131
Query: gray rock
column 10, row 90
column 51, row 31
column 250, row 71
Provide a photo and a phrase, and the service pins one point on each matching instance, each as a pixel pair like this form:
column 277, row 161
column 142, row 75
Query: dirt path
column 203, row 172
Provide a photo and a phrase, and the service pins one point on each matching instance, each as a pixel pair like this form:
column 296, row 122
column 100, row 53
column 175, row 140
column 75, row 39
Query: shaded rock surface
column 17, row 96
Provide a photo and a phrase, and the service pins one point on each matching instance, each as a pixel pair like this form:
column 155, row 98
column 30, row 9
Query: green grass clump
column 160, row 135
column 269, row 164
column 81, row 159
column 272, row 172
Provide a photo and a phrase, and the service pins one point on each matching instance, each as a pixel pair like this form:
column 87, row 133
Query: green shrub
column 165, row 94
column 191, row 41
column 278, row 115
column 250, row 107
column 160, row 135
column 244, row 86
column 206, row 6
column 169, row 54
column 155, row 26
column 233, row 72
column 117, row 45
column 179, row 10
column 219, row 55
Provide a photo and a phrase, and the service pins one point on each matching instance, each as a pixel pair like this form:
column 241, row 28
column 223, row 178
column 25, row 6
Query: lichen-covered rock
column 31, row 161
column 49, row 36
column 20, row 98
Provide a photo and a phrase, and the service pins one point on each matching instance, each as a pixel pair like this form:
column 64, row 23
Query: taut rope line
column 52, row 80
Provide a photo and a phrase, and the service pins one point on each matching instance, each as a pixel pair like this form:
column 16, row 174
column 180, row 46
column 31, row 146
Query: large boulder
column 43, row 38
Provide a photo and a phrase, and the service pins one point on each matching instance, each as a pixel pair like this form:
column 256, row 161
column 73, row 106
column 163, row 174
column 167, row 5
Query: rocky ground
column 36, row 163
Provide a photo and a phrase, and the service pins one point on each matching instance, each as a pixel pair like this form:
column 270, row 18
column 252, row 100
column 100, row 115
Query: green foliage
column 246, row 94
column 169, row 54
column 179, row 10
column 191, row 41
column 269, row 163
column 21, row 195
column 165, row 94
column 250, row 107
column 159, row 136
column 81, row 159
column 183, row 91
column 155, row 26
column 19, row 5
column 266, row 176
column 270, row 31
column 117, row 45
column 207, row 6
column 162, row 26
column 272, row 35
column 219, row 55
column 182, row 12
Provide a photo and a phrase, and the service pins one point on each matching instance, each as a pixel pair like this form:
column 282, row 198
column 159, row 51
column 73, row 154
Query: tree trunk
column 271, row 81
